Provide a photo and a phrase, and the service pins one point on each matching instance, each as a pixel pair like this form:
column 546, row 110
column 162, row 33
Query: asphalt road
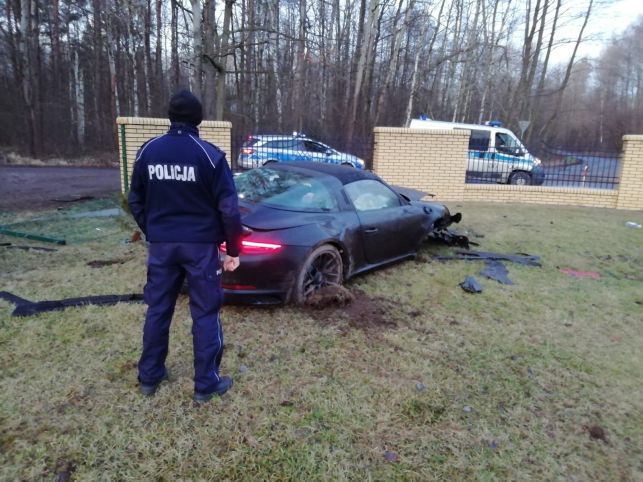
column 34, row 188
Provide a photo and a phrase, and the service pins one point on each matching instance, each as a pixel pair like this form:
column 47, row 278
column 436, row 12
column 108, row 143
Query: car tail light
column 247, row 151
column 238, row 287
column 254, row 247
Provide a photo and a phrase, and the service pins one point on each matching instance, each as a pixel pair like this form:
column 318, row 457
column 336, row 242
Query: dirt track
column 35, row 188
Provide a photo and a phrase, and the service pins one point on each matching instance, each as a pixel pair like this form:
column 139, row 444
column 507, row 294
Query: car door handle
column 370, row 230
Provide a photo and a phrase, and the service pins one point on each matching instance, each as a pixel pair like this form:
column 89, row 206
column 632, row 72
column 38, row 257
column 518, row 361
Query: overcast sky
column 610, row 19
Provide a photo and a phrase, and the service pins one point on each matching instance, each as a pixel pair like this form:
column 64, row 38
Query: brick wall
column 435, row 162
column 134, row 131
column 431, row 161
column 630, row 193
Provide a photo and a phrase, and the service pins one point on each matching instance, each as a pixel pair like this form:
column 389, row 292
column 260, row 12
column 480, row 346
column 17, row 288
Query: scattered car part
column 497, row 271
column 471, row 285
column 452, row 238
column 519, row 258
column 26, row 308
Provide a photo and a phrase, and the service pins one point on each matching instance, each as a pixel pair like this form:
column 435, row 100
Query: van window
column 506, row 143
column 479, row 141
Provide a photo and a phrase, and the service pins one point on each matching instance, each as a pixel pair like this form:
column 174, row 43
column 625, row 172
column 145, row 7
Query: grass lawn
column 539, row 380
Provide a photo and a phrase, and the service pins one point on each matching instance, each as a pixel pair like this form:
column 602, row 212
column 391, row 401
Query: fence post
column 630, row 191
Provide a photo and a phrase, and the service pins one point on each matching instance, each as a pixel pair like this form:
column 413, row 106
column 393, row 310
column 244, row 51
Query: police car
column 259, row 150
column 495, row 153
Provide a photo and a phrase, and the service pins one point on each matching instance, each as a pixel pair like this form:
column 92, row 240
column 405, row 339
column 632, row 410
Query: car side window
column 297, row 145
column 279, row 144
column 370, row 195
column 314, row 147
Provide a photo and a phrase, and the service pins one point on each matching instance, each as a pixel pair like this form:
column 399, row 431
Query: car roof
column 270, row 137
column 343, row 174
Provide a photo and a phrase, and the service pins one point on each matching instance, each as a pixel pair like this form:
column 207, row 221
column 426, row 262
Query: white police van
column 495, row 153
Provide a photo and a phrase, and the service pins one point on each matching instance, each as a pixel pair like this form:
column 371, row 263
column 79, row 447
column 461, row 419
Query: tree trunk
column 224, row 60
column 197, row 48
column 364, row 59
column 175, row 47
column 27, row 73
column 158, row 98
column 147, row 51
column 396, row 43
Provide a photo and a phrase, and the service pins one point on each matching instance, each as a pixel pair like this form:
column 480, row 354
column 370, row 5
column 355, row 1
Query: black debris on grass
column 26, row 308
column 519, row 258
column 497, row 271
column 471, row 285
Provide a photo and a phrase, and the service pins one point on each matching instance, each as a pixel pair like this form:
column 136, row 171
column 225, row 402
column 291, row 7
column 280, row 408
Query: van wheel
column 271, row 161
column 520, row 178
column 347, row 164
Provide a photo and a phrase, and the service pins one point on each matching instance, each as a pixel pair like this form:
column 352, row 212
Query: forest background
column 333, row 69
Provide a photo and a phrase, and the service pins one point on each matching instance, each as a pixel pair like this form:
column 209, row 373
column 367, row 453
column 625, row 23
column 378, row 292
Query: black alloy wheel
column 323, row 267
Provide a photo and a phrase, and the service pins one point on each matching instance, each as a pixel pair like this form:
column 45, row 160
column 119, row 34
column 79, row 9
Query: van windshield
column 507, row 144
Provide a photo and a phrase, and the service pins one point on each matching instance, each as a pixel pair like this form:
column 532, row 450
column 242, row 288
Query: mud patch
column 596, row 432
column 337, row 296
column 360, row 310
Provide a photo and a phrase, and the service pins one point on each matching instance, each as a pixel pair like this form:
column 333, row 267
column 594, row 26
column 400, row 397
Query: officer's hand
column 230, row 263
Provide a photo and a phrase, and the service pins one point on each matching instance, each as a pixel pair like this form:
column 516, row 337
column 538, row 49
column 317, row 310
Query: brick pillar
column 433, row 161
column 630, row 191
column 134, row 131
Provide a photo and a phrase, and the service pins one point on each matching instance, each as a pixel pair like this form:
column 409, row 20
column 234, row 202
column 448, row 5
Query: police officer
column 183, row 198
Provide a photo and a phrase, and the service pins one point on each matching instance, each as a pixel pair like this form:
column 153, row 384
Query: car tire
column 271, row 161
column 347, row 164
column 520, row 178
column 323, row 267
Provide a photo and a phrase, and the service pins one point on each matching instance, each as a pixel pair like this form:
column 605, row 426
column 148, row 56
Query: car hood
column 264, row 218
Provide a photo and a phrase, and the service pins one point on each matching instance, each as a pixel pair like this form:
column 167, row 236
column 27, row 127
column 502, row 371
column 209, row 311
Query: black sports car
column 311, row 225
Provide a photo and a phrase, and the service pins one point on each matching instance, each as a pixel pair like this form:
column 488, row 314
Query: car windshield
column 284, row 189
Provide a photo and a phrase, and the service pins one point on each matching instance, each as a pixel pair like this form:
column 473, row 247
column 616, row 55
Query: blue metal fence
column 547, row 167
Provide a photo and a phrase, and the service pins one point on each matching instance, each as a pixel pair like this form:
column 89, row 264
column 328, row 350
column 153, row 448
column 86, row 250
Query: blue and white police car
column 259, row 150
column 495, row 153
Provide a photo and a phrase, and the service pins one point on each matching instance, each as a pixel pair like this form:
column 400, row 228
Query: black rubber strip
column 526, row 259
column 27, row 308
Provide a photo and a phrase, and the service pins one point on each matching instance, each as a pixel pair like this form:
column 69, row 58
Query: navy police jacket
column 182, row 191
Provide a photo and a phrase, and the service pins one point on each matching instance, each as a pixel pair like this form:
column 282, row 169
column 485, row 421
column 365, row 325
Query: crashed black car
column 311, row 225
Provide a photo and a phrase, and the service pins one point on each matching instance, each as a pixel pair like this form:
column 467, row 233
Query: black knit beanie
column 185, row 107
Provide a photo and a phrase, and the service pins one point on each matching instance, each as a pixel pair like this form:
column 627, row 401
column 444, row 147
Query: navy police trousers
column 168, row 265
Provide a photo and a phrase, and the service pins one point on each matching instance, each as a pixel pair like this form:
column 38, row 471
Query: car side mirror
column 518, row 152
